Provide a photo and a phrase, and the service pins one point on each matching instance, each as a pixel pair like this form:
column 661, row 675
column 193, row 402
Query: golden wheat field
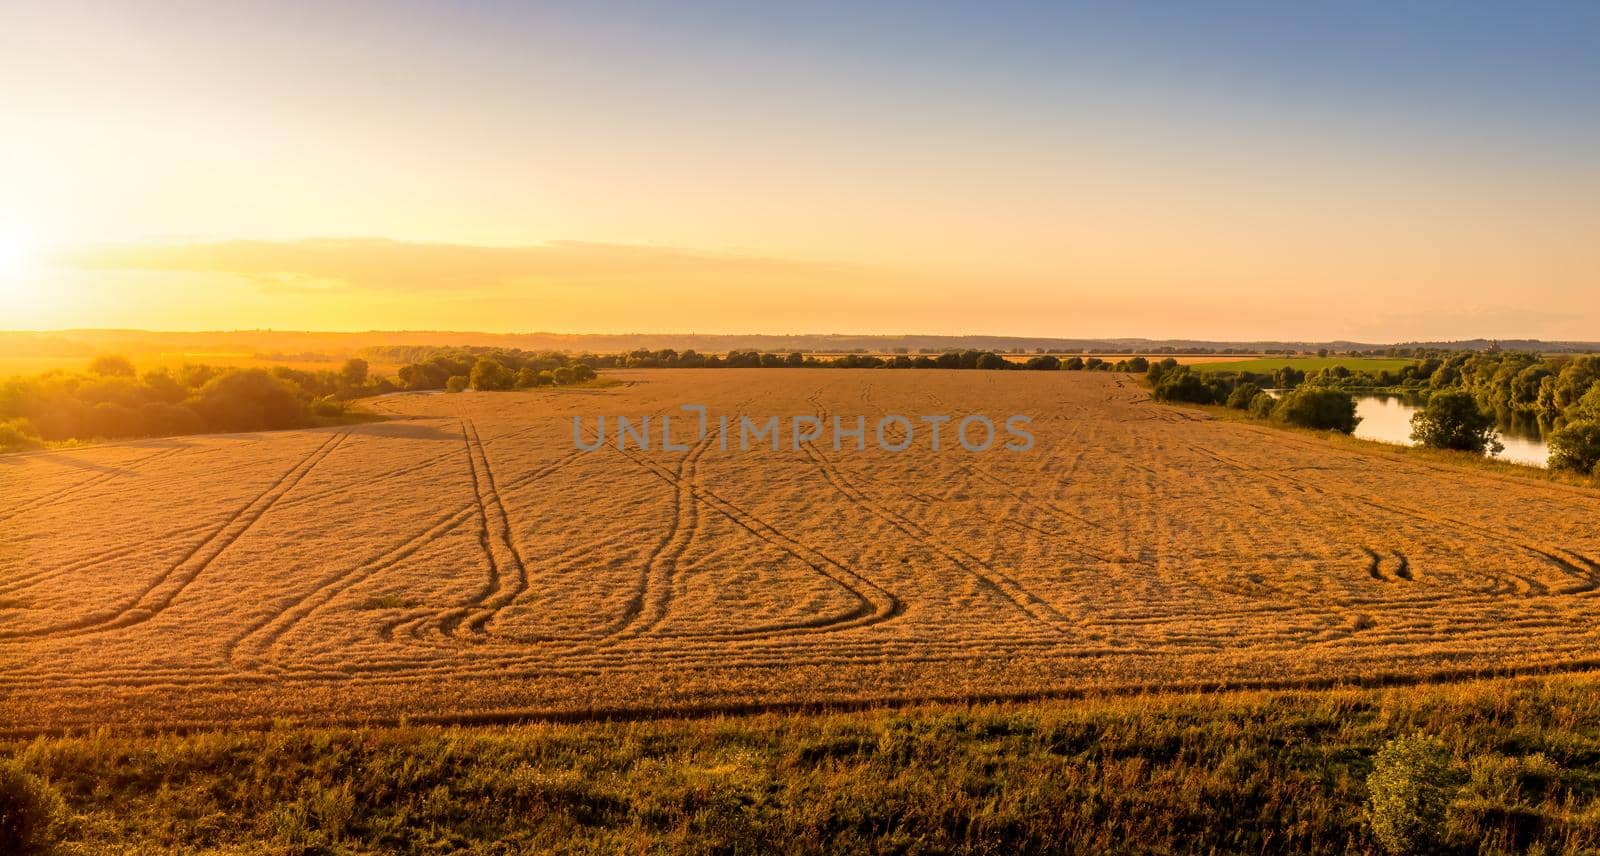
column 463, row 560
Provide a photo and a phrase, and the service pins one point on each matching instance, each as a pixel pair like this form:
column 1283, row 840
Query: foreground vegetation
column 1510, row 767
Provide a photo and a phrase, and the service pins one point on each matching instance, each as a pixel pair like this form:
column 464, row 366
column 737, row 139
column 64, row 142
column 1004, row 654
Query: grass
column 1267, row 365
column 1253, row 772
column 1443, row 457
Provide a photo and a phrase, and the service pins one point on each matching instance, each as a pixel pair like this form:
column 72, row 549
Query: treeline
column 668, row 358
column 1466, row 396
column 112, row 401
column 486, row 369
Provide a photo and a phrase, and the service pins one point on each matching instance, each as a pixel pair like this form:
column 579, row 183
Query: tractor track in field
column 161, row 592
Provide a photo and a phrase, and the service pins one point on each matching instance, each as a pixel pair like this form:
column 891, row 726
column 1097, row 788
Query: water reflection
column 1387, row 418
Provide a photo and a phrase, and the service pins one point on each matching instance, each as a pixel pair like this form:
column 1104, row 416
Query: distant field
column 1271, row 364
column 462, row 562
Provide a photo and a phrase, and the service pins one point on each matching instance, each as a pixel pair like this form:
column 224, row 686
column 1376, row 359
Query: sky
column 1373, row 171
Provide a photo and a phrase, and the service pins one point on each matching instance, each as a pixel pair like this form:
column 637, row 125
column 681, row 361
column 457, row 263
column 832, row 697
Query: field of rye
column 462, row 562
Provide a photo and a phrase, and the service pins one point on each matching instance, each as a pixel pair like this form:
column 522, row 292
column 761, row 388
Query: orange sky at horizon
column 515, row 169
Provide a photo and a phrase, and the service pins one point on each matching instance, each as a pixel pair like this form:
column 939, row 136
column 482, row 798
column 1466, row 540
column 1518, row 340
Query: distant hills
column 270, row 343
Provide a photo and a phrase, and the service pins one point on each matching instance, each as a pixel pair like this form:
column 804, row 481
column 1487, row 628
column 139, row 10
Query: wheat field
column 462, row 561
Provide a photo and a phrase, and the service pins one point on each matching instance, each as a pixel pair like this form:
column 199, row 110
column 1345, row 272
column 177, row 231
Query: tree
column 1242, row 395
column 1045, row 363
column 456, row 383
column 1318, row 407
column 249, row 400
column 111, row 365
column 1073, row 364
column 489, row 375
column 563, row 376
column 1453, row 420
column 1261, row 406
column 1184, row 385
column 1576, row 447
column 354, row 372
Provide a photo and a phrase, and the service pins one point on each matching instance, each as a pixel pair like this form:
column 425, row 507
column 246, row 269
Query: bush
column 456, row 383
column 31, row 812
column 1408, row 792
column 1073, row 364
column 1183, row 385
column 250, row 400
column 563, row 376
column 1453, row 420
column 1046, row 363
column 18, row 434
column 1242, row 395
column 1317, row 407
column 1573, row 447
column 111, row 365
column 489, row 375
column 327, row 406
column 1261, row 405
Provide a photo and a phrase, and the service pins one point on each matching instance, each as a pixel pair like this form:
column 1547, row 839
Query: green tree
column 489, row 375
column 1242, row 395
column 249, row 400
column 354, row 372
column 1318, row 407
column 1453, row 420
column 1261, row 406
column 1576, row 447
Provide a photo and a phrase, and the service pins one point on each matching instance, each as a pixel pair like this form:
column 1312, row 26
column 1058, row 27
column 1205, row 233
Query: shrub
column 18, row 434
column 1073, row 364
column 1408, row 792
column 31, row 812
column 489, row 375
column 1453, row 420
column 563, row 375
column 582, row 373
column 1317, row 407
column 1242, row 395
column 456, row 383
column 111, row 365
column 354, row 372
column 1261, row 405
column 328, row 406
column 1573, row 447
column 1046, row 363
column 249, row 400
column 1184, row 385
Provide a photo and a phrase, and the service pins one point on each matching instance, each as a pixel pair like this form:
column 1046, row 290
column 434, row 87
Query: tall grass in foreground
column 1235, row 773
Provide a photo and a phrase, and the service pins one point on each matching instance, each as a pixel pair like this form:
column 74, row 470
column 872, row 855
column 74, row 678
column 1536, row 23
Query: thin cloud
column 323, row 264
